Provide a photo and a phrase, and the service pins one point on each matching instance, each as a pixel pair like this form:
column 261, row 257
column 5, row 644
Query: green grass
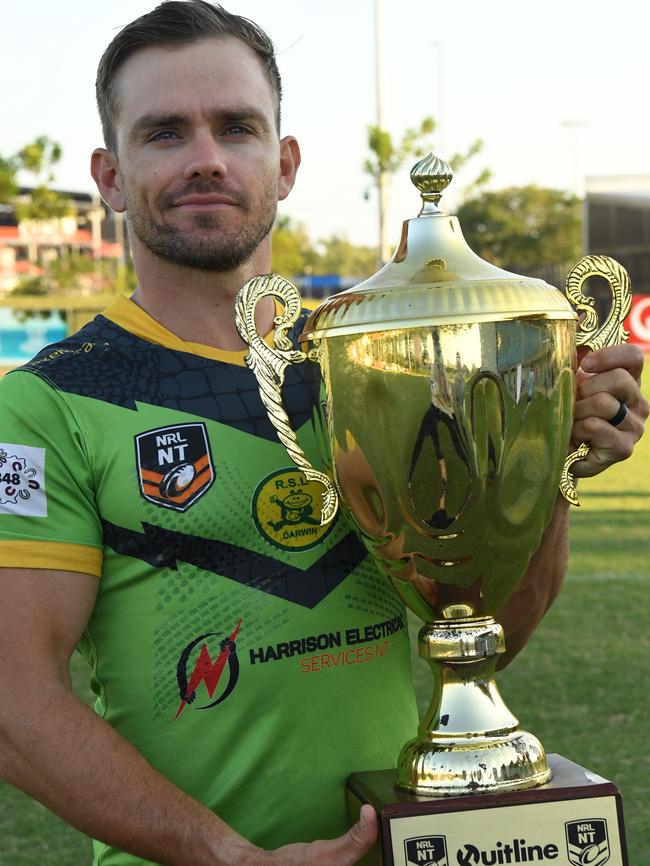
column 582, row 684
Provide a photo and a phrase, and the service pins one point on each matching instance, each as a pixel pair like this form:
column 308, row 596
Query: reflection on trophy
column 450, row 390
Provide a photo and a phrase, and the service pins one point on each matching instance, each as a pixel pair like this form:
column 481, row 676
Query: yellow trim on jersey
column 57, row 555
column 128, row 315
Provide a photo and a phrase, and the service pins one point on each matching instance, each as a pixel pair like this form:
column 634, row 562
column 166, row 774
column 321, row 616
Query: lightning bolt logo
column 207, row 671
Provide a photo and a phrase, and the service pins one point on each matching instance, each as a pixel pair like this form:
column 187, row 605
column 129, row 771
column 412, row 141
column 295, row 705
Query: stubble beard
column 222, row 250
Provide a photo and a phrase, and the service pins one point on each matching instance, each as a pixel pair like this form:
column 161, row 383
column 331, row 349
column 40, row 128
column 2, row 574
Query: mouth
column 209, row 201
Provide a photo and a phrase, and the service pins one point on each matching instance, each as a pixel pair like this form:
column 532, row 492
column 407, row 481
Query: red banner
column 638, row 322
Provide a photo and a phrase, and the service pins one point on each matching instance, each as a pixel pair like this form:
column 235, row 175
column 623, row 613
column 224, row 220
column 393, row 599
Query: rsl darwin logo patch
column 587, row 842
column 420, row 850
column 286, row 509
column 174, row 465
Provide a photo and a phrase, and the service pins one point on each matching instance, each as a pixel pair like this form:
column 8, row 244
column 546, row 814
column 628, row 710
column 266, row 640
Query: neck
column 199, row 306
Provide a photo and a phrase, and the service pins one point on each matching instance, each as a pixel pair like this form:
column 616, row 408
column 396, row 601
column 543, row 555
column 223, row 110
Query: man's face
column 199, row 159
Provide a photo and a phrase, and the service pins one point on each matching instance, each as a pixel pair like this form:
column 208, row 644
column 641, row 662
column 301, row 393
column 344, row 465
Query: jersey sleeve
column 48, row 517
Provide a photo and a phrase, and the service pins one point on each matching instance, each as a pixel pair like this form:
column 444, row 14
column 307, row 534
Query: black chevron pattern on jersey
column 162, row 548
column 105, row 362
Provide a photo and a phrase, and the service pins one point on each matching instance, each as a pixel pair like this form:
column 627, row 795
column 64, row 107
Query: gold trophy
column 450, row 387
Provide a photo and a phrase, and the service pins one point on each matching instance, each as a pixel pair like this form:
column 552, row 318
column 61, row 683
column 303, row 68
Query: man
column 142, row 508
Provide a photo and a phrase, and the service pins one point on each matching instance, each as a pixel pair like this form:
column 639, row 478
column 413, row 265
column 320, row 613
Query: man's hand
column 343, row 851
column 604, row 378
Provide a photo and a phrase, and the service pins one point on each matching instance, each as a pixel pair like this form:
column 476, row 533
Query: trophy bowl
column 449, row 391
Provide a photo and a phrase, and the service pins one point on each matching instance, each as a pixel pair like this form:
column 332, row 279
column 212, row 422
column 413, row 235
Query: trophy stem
column 468, row 741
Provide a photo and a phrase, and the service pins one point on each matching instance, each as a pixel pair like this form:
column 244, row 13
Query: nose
column 207, row 159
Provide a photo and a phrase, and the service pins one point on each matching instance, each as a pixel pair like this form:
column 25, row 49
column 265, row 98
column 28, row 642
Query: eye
column 163, row 135
column 237, row 129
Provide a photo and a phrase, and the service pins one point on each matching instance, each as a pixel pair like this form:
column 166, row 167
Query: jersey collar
column 128, row 315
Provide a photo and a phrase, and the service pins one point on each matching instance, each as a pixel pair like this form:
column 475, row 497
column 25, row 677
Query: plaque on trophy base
column 576, row 819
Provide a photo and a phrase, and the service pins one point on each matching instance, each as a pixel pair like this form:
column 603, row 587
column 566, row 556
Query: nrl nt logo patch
column 174, row 465
column 421, row 850
column 587, row 842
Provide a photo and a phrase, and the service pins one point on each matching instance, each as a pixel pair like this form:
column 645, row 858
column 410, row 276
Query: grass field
column 582, row 684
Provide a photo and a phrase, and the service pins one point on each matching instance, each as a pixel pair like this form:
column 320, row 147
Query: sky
column 556, row 91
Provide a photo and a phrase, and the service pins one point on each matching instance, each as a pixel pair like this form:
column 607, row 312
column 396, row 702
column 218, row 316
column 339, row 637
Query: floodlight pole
column 382, row 191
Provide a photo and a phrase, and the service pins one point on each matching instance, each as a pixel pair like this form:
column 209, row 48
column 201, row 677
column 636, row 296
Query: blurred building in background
column 38, row 306
column 617, row 224
column 26, row 246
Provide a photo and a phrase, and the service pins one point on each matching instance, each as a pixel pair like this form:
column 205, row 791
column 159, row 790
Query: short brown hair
column 178, row 22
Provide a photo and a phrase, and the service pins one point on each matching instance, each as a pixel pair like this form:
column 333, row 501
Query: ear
column 106, row 174
column 289, row 162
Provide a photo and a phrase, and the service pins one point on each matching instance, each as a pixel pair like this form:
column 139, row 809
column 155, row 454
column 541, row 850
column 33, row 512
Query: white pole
column 383, row 251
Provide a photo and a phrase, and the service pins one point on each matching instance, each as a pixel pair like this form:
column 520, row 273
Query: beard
column 223, row 248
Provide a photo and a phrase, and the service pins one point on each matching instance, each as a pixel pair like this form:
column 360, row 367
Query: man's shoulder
column 94, row 338
column 86, row 362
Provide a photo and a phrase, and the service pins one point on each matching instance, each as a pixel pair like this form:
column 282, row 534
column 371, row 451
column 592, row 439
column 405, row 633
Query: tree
column 524, row 228
column 339, row 256
column 42, row 208
column 387, row 157
column 8, row 182
column 37, row 158
column 293, row 252
column 33, row 287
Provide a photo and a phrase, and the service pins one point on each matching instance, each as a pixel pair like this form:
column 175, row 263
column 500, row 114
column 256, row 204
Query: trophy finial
column 431, row 175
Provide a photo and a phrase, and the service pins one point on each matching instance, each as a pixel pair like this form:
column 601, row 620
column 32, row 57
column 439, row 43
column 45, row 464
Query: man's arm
column 538, row 588
column 604, row 378
column 60, row 752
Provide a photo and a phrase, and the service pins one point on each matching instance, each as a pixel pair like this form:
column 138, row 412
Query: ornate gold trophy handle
column 611, row 333
column 269, row 364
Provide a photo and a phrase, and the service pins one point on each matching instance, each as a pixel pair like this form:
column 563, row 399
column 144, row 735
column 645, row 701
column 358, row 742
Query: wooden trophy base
column 576, row 819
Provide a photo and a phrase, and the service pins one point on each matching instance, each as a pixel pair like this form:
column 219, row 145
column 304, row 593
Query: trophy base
column 577, row 818
column 472, row 765
column 468, row 741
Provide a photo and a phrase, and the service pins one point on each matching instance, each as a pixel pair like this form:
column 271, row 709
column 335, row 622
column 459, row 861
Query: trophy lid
column 434, row 278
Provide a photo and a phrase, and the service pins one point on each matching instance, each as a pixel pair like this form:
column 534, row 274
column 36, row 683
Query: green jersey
column 253, row 656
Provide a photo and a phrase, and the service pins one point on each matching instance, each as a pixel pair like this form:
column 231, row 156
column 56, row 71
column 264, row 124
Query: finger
column 345, row 850
column 601, row 405
column 598, row 461
column 600, row 434
column 628, row 356
column 618, row 383
column 359, row 839
column 363, row 835
column 342, row 851
column 608, row 445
